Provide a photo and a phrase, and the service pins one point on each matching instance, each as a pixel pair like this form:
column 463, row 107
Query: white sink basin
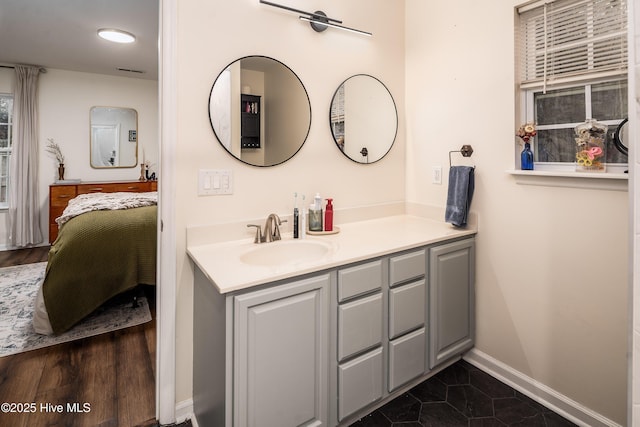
column 286, row 252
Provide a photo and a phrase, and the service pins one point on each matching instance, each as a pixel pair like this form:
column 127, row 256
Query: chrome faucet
column 271, row 229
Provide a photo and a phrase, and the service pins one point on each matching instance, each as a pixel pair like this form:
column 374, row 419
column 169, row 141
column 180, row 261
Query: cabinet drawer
column 107, row 187
column 359, row 325
column 407, row 308
column 53, row 232
column 407, row 358
column 60, row 195
column 55, row 212
column 359, row 280
column 94, row 188
column 136, row 187
column 407, row 266
column 359, row 383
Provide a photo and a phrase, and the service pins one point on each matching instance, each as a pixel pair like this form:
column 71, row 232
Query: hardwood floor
column 106, row 380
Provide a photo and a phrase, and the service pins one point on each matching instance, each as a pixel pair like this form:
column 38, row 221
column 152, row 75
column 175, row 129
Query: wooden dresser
column 60, row 194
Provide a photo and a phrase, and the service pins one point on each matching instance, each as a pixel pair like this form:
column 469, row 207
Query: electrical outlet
column 436, row 176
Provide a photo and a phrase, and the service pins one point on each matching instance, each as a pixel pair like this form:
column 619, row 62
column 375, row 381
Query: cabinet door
column 359, row 280
column 250, row 125
column 359, row 325
column 281, row 355
column 407, row 358
column 407, row 307
column 452, row 304
column 408, row 266
column 359, row 383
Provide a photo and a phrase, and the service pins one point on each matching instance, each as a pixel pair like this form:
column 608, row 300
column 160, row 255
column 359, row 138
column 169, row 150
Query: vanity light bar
column 319, row 20
column 312, row 15
column 328, row 24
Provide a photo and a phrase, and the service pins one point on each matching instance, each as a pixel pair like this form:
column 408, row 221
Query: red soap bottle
column 328, row 216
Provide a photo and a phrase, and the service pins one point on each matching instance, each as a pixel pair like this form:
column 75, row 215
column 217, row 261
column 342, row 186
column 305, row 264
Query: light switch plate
column 437, row 175
column 214, row 182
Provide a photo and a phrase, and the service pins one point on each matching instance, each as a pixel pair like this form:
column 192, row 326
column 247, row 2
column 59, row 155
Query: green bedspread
column 96, row 256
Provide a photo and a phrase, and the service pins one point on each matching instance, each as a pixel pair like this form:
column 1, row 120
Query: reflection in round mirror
column 364, row 119
column 260, row 111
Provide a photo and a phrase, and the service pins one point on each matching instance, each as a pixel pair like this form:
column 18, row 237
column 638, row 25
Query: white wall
column 65, row 100
column 212, row 34
column 634, row 300
column 552, row 263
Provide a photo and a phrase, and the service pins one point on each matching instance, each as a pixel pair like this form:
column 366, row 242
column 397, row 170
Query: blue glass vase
column 526, row 158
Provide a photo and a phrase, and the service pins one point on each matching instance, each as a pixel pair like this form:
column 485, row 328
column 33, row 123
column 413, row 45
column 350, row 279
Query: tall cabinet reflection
column 259, row 111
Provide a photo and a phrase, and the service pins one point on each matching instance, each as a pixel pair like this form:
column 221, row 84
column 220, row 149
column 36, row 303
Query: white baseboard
column 559, row 403
column 184, row 411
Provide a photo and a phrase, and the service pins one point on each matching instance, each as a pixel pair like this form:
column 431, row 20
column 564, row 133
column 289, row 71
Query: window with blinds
column 572, row 57
column 572, row 40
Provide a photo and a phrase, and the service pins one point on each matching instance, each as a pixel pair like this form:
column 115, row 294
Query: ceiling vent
column 128, row 70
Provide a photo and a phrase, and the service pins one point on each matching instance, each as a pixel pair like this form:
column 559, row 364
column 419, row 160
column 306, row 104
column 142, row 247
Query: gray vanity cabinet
column 281, row 354
column 325, row 348
column 360, row 330
column 407, row 317
column 452, row 300
column 261, row 356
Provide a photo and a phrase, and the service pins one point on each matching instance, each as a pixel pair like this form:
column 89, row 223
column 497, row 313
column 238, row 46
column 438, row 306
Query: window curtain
column 24, row 203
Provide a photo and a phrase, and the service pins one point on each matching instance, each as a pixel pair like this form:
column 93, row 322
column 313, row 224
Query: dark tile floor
column 462, row 395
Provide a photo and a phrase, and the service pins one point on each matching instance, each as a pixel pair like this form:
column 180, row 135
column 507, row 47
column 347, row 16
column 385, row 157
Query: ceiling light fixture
column 319, row 20
column 117, row 36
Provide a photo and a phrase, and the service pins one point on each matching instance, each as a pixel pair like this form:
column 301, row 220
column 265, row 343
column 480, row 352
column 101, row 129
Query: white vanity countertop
column 356, row 241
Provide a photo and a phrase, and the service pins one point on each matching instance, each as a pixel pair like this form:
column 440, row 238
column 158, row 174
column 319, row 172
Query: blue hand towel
column 461, row 185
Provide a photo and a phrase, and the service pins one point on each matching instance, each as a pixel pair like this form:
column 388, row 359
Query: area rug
column 18, row 289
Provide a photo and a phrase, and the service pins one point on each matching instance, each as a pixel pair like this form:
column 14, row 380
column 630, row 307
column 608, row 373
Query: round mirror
column 364, row 119
column 259, row 111
column 620, row 137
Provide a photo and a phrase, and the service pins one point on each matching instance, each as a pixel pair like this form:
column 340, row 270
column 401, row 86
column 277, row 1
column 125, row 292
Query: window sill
column 595, row 181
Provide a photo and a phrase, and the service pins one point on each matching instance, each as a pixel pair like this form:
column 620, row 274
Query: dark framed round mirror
column 260, row 111
column 363, row 119
column 620, row 136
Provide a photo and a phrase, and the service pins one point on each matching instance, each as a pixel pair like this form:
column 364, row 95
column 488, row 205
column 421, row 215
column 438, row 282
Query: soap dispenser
column 317, row 201
column 328, row 216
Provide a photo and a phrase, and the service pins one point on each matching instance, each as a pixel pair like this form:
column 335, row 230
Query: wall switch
column 436, row 176
column 213, row 182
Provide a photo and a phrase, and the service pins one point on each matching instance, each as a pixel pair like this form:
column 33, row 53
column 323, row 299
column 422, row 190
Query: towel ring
column 466, row 151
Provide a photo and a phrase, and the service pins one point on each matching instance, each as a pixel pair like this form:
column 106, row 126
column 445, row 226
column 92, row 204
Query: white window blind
column 565, row 41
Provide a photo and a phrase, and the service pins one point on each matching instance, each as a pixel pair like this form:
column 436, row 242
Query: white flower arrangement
column 54, row 148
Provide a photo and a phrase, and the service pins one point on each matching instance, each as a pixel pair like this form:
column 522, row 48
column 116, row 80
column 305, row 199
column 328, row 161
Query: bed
column 106, row 246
